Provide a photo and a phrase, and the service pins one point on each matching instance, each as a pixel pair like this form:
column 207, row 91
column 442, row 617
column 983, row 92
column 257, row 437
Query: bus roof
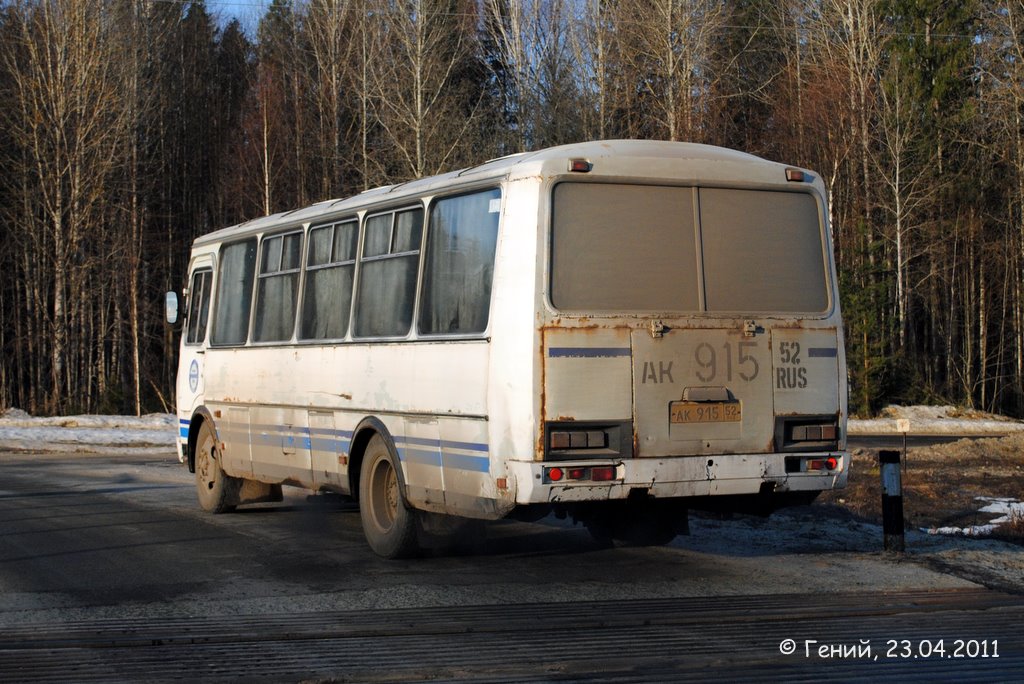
column 515, row 165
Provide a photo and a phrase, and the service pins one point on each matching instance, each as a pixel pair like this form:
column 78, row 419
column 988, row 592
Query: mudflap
column 253, row 491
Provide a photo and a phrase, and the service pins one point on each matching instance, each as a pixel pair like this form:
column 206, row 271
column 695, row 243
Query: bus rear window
column 634, row 248
column 623, row 248
column 762, row 252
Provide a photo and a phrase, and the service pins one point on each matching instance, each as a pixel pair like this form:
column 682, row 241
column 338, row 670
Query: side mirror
column 171, row 308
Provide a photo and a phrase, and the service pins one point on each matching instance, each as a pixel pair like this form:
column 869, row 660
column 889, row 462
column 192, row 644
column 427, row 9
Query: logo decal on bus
column 193, row 375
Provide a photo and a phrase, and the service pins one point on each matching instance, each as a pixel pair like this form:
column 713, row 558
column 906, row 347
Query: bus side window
column 327, row 296
column 199, row 311
column 234, row 293
column 461, row 239
column 387, row 276
column 277, row 291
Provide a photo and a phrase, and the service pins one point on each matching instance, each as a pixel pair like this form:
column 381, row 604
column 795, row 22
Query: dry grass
column 942, row 484
column 1012, row 531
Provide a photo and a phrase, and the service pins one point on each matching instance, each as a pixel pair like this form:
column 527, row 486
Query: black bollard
column 892, row 500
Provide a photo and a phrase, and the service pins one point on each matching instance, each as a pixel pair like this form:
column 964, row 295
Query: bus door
column 191, row 384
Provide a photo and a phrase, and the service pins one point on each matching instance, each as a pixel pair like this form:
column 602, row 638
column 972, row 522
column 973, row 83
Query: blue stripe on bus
column 330, row 432
column 437, row 454
column 441, row 443
column 822, row 352
column 336, row 445
column 183, row 425
column 476, row 464
column 587, row 352
column 420, row 457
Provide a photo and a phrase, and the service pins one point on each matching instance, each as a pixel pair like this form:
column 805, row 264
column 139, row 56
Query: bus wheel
column 389, row 525
column 213, row 485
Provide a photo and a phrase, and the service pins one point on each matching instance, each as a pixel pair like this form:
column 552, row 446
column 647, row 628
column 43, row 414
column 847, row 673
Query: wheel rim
column 384, row 495
column 206, row 468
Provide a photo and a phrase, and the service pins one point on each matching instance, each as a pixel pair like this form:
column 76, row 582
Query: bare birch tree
column 420, row 105
column 1002, row 78
column 69, row 119
column 668, row 48
column 328, row 26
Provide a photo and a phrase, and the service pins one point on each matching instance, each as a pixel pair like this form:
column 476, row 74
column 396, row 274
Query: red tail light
column 580, row 474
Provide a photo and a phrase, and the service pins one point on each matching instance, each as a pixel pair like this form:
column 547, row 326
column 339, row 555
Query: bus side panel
column 419, row 449
column 470, row 471
column 234, row 431
column 588, row 375
column 805, row 371
column 513, row 394
column 295, row 411
column 325, row 448
column 280, row 445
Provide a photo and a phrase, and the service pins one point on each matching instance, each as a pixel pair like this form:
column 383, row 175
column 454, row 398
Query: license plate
column 705, row 412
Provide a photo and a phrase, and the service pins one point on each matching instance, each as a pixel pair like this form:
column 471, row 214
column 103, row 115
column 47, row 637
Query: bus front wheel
column 389, row 525
column 213, row 485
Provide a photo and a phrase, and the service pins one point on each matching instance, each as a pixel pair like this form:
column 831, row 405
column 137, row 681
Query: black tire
column 388, row 523
column 214, row 487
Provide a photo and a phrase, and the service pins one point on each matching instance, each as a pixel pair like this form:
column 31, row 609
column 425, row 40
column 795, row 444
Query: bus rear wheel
column 388, row 523
column 214, row 487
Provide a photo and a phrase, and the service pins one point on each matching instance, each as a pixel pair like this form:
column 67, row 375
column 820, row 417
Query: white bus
column 618, row 331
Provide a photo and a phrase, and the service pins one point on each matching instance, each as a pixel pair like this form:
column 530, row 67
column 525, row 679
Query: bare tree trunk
column 417, row 101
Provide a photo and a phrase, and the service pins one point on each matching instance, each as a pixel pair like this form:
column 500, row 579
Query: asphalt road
column 110, row 572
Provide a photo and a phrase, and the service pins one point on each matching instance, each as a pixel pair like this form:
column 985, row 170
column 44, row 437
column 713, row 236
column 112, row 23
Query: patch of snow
column 1009, row 508
column 971, row 531
column 935, row 420
column 20, row 431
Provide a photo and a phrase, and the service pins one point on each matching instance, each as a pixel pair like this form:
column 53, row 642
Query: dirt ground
column 941, row 484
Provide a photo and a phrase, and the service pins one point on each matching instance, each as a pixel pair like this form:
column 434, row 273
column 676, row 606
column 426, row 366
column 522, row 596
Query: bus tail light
column 830, row 463
column 813, row 464
column 579, row 474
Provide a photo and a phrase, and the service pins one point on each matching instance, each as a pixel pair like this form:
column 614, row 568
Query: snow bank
column 935, row 420
column 20, row 431
column 1007, row 509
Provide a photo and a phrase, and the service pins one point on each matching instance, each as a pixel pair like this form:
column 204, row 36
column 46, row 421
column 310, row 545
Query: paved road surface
column 109, row 572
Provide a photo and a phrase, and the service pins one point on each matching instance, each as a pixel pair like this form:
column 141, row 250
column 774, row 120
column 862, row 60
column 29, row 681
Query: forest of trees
column 129, row 127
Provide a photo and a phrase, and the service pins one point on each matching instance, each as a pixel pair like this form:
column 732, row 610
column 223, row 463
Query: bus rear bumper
column 682, row 477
